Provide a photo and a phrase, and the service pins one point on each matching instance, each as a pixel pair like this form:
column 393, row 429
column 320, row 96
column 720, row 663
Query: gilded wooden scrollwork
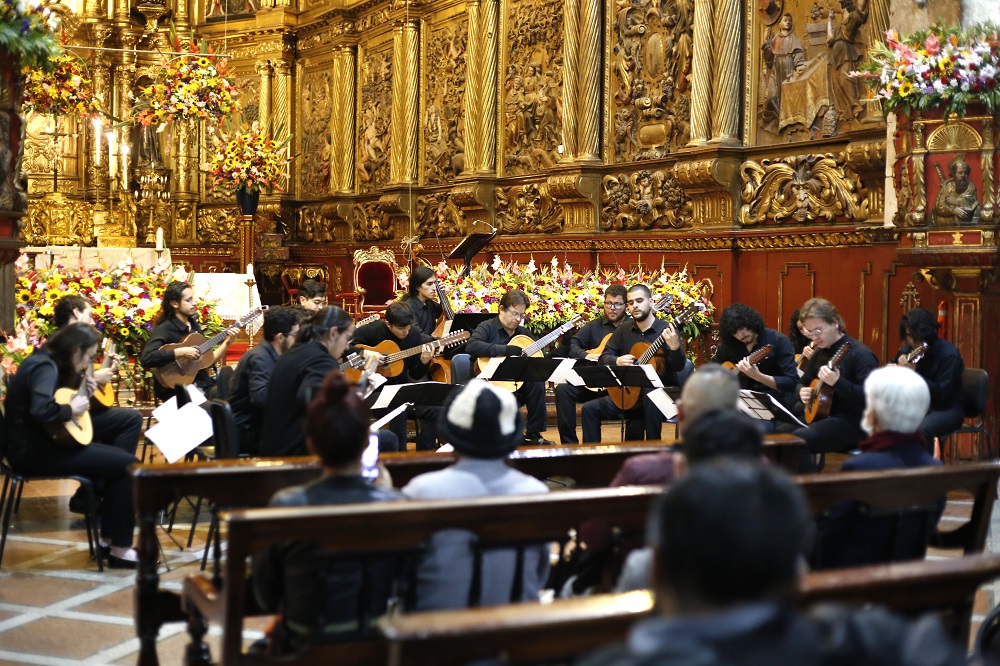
column 371, row 223
column 55, row 220
column 438, row 215
column 444, row 110
column 373, row 130
column 533, row 86
column 528, row 209
column 315, row 132
column 643, row 200
column 314, row 225
column 651, row 64
column 800, row 188
column 218, row 225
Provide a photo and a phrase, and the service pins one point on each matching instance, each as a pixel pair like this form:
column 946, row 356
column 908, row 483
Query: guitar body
column 79, row 430
column 599, row 349
column 819, row 404
column 626, row 397
column 521, row 341
column 182, row 372
column 386, row 348
column 440, row 370
column 443, row 327
column 104, row 396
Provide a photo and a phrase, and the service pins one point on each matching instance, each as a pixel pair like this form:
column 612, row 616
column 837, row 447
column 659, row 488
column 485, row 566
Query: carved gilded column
column 701, row 74
column 100, row 73
column 182, row 16
column 473, row 90
column 282, row 97
column 591, row 62
column 490, row 24
column 122, row 12
column 571, row 70
column 345, row 63
column 405, row 99
column 187, row 158
column 726, row 72
column 266, row 73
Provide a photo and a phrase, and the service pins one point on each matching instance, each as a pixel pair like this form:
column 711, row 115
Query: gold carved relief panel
column 643, row 200
column 528, row 209
column 218, row 225
column 317, row 106
column 650, row 45
column 438, row 215
column 375, row 112
column 532, row 86
column 443, row 123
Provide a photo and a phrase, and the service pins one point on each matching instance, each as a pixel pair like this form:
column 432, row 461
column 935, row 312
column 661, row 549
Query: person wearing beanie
column 483, row 424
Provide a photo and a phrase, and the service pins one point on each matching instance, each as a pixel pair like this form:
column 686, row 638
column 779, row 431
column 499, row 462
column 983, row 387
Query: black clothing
column 779, row 363
column 170, row 332
column 426, row 315
column 320, row 596
column 591, row 335
column 30, row 406
column 248, row 394
column 941, row 367
column 297, row 373
column 119, row 427
column 567, row 395
column 629, row 333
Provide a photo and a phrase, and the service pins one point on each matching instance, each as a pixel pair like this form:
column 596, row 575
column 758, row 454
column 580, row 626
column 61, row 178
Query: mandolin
column 444, row 325
column 79, row 430
column 802, row 360
column 626, row 397
column 367, row 320
column 530, row 347
column 183, row 372
column 819, row 404
column 916, row 354
column 393, row 359
column 104, row 396
column 754, row 358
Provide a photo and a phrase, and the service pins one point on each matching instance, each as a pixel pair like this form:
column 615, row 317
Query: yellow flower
column 945, row 64
column 53, row 295
column 905, row 89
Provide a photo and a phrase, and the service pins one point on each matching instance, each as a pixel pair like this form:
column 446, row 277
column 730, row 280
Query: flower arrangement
column 191, row 86
column 66, row 89
column 126, row 298
column 18, row 346
column 248, row 157
column 941, row 67
column 28, row 30
column 559, row 294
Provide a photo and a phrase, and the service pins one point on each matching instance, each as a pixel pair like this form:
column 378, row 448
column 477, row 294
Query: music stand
column 470, row 246
column 521, row 369
column 423, row 394
column 619, row 376
column 765, row 407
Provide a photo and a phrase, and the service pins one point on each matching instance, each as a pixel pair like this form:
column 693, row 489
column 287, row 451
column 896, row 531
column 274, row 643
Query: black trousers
column 567, row 398
column 104, row 464
column 118, row 427
column 427, row 417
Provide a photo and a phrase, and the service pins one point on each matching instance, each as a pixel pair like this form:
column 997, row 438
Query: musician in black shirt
column 589, row 337
column 420, row 299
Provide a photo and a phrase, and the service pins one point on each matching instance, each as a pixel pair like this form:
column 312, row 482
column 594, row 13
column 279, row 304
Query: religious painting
column 222, row 10
column 650, row 56
column 317, row 108
column 375, row 114
column 444, row 104
column 804, row 90
column 532, row 86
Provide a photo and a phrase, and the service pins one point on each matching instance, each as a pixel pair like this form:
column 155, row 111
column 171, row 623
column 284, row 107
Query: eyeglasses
column 816, row 331
column 318, row 301
column 614, row 306
column 514, row 314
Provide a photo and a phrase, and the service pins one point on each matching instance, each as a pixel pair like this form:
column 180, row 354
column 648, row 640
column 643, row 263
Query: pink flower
column 932, row 44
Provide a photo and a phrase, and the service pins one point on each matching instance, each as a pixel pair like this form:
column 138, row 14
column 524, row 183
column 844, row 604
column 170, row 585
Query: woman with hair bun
column 320, row 595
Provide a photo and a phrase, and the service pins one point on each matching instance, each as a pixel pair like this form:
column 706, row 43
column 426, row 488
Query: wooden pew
column 567, row 628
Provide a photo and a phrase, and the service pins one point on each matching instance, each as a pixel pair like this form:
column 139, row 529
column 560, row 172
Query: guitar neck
column 654, row 347
column 449, row 314
column 412, row 351
column 541, row 342
column 208, row 345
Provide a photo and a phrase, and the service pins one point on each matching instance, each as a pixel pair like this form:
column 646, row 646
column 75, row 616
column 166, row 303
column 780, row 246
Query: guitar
column 367, row 320
column 754, row 358
column 104, row 396
column 183, row 372
column 393, row 362
column 361, row 386
column 530, row 347
column 599, row 349
column 819, row 404
column 444, row 326
column 626, row 397
column 916, row 354
column 79, row 430
column 802, row 360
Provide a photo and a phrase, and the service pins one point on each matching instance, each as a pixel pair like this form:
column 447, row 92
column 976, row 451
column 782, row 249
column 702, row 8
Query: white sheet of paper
column 181, row 432
column 564, row 373
column 663, row 402
column 388, row 417
column 169, row 407
column 651, row 375
column 491, row 367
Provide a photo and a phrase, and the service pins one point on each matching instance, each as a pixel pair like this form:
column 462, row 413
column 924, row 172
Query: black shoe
column 119, row 563
column 78, row 502
column 535, row 439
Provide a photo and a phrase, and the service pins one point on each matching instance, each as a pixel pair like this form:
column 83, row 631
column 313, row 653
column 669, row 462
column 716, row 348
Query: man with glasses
column 841, row 430
column 248, row 389
column 492, row 338
column 590, row 337
column 312, row 296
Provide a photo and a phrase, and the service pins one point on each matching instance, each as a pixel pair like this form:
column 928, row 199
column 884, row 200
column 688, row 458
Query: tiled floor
column 56, row 609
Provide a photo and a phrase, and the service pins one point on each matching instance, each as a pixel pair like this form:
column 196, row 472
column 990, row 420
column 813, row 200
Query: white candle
column 124, row 165
column 97, row 141
column 113, row 170
column 250, row 270
column 159, row 239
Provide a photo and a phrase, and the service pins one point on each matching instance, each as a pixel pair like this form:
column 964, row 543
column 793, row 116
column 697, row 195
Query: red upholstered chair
column 291, row 291
column 375, row 280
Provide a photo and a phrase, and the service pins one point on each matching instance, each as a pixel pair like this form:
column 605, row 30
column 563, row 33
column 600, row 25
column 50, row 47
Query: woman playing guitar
column 32, row 413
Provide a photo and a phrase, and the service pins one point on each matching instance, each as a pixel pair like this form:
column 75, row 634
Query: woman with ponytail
column 420, row 299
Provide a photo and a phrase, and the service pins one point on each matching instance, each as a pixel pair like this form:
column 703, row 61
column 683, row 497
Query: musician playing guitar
column 31, row 412
column 492, row 338
column 742, row 333
column 177, row 319
column 399, row 327
column 841, row 430
column 940, row 365
column 588, row 343
column 645, row 419
column 420, row 299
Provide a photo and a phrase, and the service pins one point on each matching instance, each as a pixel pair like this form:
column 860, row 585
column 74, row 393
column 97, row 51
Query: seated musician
column 248, row 392
column 741, row 333
column 420, row 299
column 841, row 430
column 941, row 366
column 492, row 338
column 725, row 593
column 320, row 597
column 483, row 424
column 896, row 400
column 644, row 419
column 31, row 411
column 398, row 327
column 312, row 295
column 585, row 339
column 178, row 319
column 322, row 340
column 800, row 339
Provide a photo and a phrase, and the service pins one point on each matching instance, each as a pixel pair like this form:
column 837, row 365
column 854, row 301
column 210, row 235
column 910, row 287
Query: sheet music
column 564, row 373
column 166, row 409
column 379, row 424
column 664, row 403
column 491, row 367
column 772, row 406
column 181, row 431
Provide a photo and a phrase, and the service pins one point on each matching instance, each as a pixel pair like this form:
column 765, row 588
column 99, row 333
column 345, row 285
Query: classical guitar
column 599, row 349
column 393, row 359
column 361, row 386
column 104, row 396
column 917, row 353
column 78, row 431
column 367, row 320
column 626, row 397
column 819, row 404
column 447, row 316
column 754, row 358
column 530, row 347
column 801, row 361
column 183, row 372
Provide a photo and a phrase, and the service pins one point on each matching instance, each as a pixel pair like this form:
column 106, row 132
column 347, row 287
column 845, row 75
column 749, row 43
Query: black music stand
column 420, row 394
column 616, row 376
column 470, row 246
column 526, row 369
column 764, row 406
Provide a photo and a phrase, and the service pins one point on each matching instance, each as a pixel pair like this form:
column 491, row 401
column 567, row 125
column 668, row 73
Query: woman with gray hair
column 896, row 401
